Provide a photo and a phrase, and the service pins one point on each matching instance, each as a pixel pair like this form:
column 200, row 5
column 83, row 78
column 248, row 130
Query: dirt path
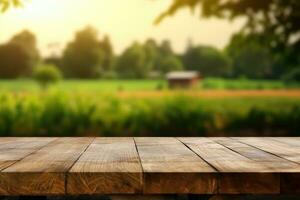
column 215, row 93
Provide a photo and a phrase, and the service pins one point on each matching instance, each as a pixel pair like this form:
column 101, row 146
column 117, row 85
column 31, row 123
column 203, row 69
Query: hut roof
column 183, row 75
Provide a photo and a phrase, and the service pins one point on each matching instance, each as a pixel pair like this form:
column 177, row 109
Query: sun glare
column 40, row 9
column 125, row 21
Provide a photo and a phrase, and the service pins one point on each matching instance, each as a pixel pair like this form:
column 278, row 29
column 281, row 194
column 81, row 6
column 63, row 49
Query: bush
column 46, row 75
column 293, row 75
column 87, row 114
column 171, row 63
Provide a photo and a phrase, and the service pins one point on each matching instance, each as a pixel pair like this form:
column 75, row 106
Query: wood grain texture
column 108, row 166
column 24, row 143
column 43, row 172
column 92, row 166
column 14, row 149
column 274, row 163
column 284, row 150
column 235, row 169
column 170, row 167
column 290, row 141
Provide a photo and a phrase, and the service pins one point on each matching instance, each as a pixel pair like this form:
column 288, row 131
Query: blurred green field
column 144, row 85
column 118, row 108
column 89, row 114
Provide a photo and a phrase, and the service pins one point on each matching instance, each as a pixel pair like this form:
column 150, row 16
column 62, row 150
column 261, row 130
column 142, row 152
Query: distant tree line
column 271, row 32
column 88, row 57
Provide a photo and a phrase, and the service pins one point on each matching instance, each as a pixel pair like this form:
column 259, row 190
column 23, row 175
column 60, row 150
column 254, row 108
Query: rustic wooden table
column 93, row 166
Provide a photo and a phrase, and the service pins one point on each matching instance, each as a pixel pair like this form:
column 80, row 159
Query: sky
column 55, row 21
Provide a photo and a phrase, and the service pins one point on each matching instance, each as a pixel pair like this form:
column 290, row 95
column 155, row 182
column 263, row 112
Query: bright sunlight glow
column 55, row 21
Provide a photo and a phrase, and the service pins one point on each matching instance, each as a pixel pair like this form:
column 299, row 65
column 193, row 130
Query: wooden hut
column 183, row 79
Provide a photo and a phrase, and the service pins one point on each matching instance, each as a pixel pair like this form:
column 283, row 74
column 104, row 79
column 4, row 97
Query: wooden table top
column 77, row 166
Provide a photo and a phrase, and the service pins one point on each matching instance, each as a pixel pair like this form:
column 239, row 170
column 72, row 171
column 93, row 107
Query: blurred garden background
column 83, row 82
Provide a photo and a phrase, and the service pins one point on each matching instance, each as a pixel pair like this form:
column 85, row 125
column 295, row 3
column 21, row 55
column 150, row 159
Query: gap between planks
column 67, row 172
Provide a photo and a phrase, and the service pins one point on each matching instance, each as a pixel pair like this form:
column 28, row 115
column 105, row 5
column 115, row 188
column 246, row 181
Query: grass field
column 138, row 108
column 76, row 114
column 144, row 85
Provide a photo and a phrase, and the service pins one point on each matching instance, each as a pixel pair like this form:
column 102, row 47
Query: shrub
column 293, row 75
column 46, row 75
column 86, row 114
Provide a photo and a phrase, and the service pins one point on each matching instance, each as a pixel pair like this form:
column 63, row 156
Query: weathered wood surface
column 43, row 171
column 93, row 166
column 109, row 165
column 170, row 167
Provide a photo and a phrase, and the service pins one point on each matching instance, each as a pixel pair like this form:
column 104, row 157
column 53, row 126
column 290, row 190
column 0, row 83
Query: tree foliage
column 250, row 57
column 13, row 61
column 171, row 63
column 108, row 54
column 87, row 56
column 46, row 75
column 277, row 21
column 83, row 56
column 27, row 41
column 132, row 63
column 6, row 4
column 207, row 60
column 18, row 56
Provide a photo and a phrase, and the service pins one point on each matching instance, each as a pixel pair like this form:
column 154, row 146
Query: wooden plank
column 290, row 141
column 171, row 168
column 108, row 166
column 284, row 148
column 286, row 151
column 43, row 172
column 78, row 166
column 14, row 149
column 5, row 164
column 23, row 143
column 235, row 169
column 274, row 163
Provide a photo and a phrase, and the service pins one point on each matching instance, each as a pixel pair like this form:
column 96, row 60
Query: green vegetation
column 89, row 56
column 207, row 60
column 46, row 75
column 22, row 85
column 267, row 47
column 5, row 4
column 247, row 84
column 18, row 56
column 61, row 114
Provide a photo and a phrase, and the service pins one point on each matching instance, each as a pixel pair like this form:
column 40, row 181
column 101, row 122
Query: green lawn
column 85, row 114
column 140, row 85
column 83, row 85
column 80, row 108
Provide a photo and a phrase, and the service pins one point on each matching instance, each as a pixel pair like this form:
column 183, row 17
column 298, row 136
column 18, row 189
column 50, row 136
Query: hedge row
column 98, row 115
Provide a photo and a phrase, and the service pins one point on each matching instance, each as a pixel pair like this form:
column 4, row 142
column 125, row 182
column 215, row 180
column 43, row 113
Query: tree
column 132, row 63
column 277, row 21
column 83, row 57
column 27, row 41
column 207, row 60
column 250, row 56
column 171, row 63
column 46, row 75
column 6, row 4
column 165, row 49
column 293, row 75
column 165, row 55
column 152, row 54
column 53, row 60
column 14, row 61
column 19, row 55
column 269, row 16
column 108, row 54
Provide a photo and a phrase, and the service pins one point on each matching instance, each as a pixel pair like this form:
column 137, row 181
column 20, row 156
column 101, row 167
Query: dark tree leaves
column 279, row 19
